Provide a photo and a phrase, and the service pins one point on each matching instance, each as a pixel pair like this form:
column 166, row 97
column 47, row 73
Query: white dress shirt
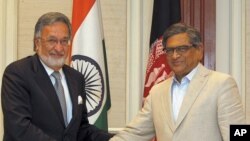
column 179, row 91
column 65, row 88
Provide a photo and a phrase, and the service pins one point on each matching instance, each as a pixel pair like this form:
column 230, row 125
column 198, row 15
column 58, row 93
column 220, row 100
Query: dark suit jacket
column 32, row 110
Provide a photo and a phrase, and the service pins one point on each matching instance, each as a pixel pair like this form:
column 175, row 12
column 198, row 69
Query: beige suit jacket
column 211, row 104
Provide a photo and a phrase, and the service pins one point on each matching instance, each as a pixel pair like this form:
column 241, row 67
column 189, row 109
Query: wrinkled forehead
column 177, row 40
column 56, row 29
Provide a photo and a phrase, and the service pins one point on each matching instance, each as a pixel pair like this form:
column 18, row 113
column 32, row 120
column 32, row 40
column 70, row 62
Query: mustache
column 54, row 52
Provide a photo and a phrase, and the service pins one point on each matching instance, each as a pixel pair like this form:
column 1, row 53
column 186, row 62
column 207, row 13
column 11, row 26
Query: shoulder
column 213, row 76
column 161, row 88
column 220, row 77
column 163, row 84
column 20, row 65
column 71, row 71
column 217, row 81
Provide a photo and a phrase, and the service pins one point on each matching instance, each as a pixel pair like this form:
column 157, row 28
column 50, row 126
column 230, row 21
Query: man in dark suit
column 33, row 108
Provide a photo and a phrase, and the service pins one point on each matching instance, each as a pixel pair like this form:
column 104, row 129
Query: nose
column 175, row 54
column 59, row 46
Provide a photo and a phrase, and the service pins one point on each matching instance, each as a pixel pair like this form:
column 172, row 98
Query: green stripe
column 102, row 120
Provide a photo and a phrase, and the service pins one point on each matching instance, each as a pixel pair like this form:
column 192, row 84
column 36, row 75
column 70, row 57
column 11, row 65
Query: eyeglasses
column 179, row 49
column 53, row 42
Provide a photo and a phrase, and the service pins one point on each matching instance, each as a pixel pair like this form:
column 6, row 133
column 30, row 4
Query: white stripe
column 88, row 42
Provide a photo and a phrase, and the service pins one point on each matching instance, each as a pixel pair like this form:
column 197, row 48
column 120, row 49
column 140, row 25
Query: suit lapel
column 194, row 88
column 45, row 84
column 166, row 95
column 72, row 91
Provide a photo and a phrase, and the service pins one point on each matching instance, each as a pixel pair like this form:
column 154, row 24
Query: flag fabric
column 88, row 56
column 165, row 13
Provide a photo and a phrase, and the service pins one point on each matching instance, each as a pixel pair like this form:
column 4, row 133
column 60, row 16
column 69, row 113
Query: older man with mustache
column 43, row 99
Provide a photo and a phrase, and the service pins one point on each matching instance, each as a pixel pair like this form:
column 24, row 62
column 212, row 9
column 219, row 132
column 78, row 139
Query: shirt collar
column 189, row 76
column 49, row 70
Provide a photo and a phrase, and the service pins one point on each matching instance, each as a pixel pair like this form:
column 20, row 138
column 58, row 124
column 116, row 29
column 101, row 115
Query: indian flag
column 88, row 56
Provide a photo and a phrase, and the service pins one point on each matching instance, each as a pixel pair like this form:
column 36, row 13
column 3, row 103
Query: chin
column 57, row 62
column 53, row 62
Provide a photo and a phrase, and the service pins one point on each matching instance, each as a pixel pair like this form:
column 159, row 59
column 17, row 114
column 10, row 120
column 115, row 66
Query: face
column 182, row 63
column 53, row 45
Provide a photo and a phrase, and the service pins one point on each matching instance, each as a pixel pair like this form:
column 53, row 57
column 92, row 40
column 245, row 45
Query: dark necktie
column 60, row 93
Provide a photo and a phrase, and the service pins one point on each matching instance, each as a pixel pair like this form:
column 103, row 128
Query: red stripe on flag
column 88, row 56
column 157, row 68
column 81, row 9
column 165, row 13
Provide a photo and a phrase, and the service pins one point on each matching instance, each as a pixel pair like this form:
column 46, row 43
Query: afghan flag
column 88, row 56
column 165, row 13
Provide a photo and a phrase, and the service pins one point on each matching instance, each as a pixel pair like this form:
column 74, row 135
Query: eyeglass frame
column 179, row 49
column 54, row 41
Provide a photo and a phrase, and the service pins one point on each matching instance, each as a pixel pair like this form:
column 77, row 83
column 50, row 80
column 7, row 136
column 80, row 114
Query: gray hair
column 48, row 19
column 193, row 34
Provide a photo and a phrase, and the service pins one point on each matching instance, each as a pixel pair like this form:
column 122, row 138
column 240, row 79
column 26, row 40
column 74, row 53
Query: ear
column 201, row 51
column 37, row 43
